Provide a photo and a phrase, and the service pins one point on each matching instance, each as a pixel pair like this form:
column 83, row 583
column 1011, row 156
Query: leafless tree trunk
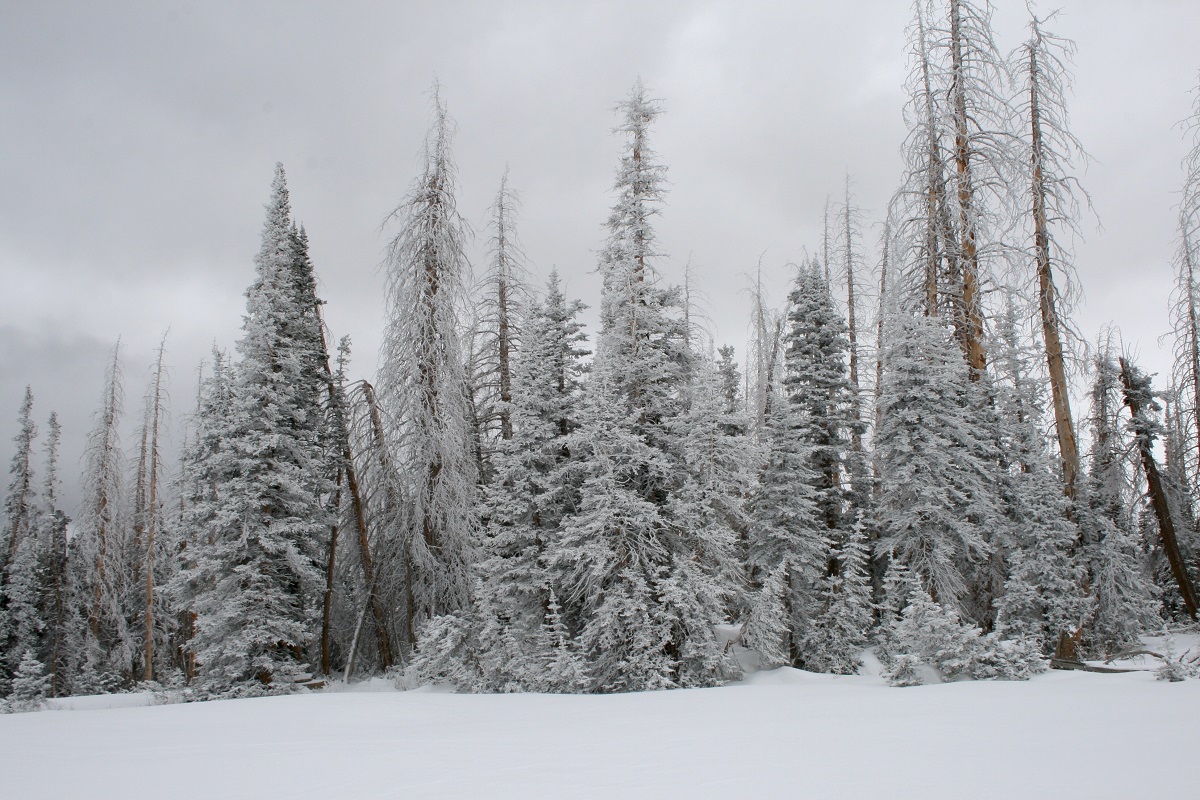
column 972, row 334
column 1137, row 393
column 1068, row 446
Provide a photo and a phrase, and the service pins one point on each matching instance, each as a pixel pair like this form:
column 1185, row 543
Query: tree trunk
column 1068, row 447
column 972, row 309
column 1158, row 496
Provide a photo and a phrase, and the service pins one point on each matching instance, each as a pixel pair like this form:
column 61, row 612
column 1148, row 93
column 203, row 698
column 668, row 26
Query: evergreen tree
column 644, row 608
column 256, row 601
column 1127, row 603
column 52, row 539
column 1042, row 572
column 816, row 382
column 536, row 483
column 102, row 645
column 30, row 684
column 19, row 622
column 839, row 632
column 787, row 547
column 423, row 390
column 937, row 495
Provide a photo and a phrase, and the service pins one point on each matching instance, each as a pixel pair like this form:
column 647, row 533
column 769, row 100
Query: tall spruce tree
column 817, row 382
column 18, row 603
column 636, row 587
column 103, row 645
column 937, row 494
column 259, row 579
column 1127, row 602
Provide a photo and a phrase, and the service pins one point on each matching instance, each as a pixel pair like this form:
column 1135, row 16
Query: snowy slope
column 784, row 733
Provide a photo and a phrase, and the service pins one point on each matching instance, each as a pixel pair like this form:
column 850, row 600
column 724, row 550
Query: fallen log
column 1065, row 663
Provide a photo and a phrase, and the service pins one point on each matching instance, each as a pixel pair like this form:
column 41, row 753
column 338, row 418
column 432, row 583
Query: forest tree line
column 512, row 506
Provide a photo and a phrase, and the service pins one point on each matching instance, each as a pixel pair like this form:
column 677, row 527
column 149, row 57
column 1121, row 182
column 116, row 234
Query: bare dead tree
column 1053, row 190
column 1141, row 401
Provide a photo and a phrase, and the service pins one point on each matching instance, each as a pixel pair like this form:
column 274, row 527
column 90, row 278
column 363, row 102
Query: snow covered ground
column 783, row 733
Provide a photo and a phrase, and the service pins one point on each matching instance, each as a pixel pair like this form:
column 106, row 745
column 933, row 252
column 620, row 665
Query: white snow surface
column 783, row 733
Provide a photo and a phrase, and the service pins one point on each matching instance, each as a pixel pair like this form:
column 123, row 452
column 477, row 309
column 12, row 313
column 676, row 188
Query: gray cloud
column 138, row 141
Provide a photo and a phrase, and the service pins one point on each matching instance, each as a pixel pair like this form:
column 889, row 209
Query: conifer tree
column 53, row 543
column 103, row 645
column 19, row 623
column 1127, row 604
column 817, row 382
column 839, row 631
column 423, row 390
column 258, row 573
column 643, row 603
column 20, row 500
column 535, row 488
column 787, row 548
column 936, row 492
column 1043, row 574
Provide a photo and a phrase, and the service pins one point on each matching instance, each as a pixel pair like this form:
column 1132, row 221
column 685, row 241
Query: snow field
column 783, row 733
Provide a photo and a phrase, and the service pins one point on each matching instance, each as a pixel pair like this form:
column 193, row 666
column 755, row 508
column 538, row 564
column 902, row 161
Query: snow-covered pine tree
column 102, row 645
column 52, row 536
column 1127, row 602
column 937, row 495
column 787, row 549
column 200, row 477
column 30, row 684
column 845, row 613
column 721, row 460
column 423, row 388
column 817, row 383
column 19, row 620
column 20, row 500
column 536, row 480
column 645, row 611
column 256, row 600
column 1041, row 567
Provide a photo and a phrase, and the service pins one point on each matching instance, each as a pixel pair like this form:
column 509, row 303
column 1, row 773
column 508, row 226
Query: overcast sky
column 138, row 140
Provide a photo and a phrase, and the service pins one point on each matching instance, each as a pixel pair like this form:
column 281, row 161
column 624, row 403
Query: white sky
column 137, row 143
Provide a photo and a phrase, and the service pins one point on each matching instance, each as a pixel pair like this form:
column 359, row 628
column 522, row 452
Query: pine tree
column 423, row 388
column 936, row 493
column 31, row 685
column 787, row 548
column 19, row 502
column 839, row 632
column 818, row 384
column 103, row 645
column 1126, row 599
column 1041, row 567
column 536, row 483
column 19, row 622
column 256, row 602
column 53, row 542
column 644, row 609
